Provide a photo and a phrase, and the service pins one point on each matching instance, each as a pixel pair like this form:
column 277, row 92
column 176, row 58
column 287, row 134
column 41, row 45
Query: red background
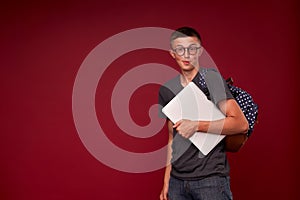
column 43, row 45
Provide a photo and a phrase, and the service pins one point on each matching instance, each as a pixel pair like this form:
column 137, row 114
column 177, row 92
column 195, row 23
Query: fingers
column 177, row 124
column 178, row 127
column 186, row 128
column 163, row 196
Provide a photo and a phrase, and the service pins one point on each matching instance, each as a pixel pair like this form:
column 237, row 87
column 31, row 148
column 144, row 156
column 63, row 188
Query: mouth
column 186, row 62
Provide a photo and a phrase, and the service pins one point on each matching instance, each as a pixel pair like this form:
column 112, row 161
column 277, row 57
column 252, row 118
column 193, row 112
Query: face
column 186, row 52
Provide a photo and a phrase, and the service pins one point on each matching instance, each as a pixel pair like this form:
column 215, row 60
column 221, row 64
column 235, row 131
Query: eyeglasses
column 192, row 50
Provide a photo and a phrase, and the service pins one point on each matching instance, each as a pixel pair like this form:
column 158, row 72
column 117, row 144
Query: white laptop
column 191, row 103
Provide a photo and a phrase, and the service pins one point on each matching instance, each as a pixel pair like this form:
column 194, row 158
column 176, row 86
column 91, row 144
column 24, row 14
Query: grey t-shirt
column 188, row 163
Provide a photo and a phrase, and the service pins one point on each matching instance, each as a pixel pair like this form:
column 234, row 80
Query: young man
column 191, row 175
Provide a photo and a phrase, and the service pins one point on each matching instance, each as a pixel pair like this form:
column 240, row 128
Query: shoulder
column 217, row 86
column 172, row 86
column 213, row 74
column 212, row 77
column 169, row 90
column 172, row 82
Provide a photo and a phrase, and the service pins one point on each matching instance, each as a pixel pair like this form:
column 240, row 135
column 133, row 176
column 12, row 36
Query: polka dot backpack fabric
column 245, row 101
column 243, row 98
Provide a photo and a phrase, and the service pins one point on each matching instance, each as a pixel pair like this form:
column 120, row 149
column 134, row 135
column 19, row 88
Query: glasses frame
column 186, row 49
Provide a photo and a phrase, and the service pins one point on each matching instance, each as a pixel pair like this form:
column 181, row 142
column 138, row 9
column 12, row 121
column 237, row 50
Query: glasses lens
column 179, row 51
column 192, row 50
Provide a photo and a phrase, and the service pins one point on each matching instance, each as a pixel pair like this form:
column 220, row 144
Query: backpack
column 233, row 143
column 246, row 103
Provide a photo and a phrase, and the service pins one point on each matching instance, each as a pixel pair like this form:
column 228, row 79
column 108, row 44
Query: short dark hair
column 185, row 32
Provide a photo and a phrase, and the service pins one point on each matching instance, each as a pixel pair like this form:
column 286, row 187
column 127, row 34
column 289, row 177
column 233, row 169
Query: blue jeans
column 211, row 188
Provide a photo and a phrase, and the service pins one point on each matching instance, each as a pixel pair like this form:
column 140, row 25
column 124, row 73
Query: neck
column 187, row 76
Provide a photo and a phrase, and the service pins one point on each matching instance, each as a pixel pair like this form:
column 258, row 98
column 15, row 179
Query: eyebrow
column 183, row 46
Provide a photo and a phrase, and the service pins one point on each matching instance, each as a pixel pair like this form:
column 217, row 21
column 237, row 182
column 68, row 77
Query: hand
column 164, row 193
column 186, row 128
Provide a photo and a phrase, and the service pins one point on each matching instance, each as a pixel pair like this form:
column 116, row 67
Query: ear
column 172, row 53
column 201, row 51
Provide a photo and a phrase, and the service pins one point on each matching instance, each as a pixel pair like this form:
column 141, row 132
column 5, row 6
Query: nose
column 186, row 53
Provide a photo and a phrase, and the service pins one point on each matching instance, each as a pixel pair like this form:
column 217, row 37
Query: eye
column 179, row 50
column 179, row 47
column 192, row 48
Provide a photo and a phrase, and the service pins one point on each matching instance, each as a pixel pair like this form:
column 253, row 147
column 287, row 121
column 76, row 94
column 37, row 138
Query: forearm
column 234, row 122
column 169, row 154
column 226, row 126
column 167, row 175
